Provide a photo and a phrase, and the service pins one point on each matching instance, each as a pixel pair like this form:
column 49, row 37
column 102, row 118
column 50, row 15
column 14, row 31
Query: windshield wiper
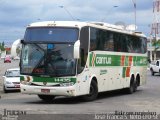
column 40, row 61
column 39, row 47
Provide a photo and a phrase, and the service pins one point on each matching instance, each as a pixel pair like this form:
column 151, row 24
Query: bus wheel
column 132, row 88
column 4, row 90
column 135, row 87
column 137, row 83
column 93, row 92
column 46, row 98
column 152, row 72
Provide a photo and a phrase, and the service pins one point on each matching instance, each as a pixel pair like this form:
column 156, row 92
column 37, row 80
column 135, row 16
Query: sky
column 15, row 15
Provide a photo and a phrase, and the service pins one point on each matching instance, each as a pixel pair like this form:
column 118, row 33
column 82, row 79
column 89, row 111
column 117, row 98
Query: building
column 151, row 49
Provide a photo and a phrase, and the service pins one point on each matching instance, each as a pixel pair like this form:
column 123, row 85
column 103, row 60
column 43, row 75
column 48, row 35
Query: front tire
column 152, row 72
column 4, row 90
column 46, row 98
column 93, row 93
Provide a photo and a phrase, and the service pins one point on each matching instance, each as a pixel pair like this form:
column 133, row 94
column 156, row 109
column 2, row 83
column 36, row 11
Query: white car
column 155, row 67
column 11, row 80
column 16, row 58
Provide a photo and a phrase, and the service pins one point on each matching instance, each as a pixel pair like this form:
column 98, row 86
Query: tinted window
column 84, row 40
column 51, row 34
column 136, row 44
column 118, row 42
column 100, row 39
column 93, row 38
column 48, row 59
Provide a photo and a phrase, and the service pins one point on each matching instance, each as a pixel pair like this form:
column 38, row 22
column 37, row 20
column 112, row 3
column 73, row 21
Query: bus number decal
column 62, row 80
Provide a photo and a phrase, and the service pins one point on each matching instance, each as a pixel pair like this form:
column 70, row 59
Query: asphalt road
column 146, row 99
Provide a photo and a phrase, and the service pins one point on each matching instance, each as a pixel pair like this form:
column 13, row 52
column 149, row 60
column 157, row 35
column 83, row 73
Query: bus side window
column 109, row 42
column 117, row 42
column 84, row 40
column 93, row 39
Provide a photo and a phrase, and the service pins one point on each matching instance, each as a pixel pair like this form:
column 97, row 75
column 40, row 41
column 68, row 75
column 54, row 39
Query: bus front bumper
column 42, row 90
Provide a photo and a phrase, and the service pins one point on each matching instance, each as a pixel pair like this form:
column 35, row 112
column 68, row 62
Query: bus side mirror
column 22, row 41
column 77, row 49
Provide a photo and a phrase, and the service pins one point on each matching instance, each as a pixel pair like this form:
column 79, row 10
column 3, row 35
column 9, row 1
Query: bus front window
column 48, row 59
column 49, row 51
column 32, row 56
column 59, row 60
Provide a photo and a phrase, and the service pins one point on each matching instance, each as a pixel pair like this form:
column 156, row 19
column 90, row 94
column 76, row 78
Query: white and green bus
column 66, row 58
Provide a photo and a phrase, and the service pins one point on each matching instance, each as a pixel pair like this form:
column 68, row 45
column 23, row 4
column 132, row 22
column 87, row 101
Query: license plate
column 45, row 90
column 17, row 86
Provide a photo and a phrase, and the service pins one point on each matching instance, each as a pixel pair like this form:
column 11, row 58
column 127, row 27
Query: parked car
column 11, row 80
column 2, row 57
column 7, row 59
column 16, row 58
column 155, row 67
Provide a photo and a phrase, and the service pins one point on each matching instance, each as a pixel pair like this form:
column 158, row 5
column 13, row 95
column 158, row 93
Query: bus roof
column 79, row 24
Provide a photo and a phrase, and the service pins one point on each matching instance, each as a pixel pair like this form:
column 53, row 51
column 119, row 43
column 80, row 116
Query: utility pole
column 135, row 13
column 155, row 25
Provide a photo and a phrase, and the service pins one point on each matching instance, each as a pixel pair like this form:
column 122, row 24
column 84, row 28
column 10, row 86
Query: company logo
column 103, row 60
column 44, row 83
column 102, row 72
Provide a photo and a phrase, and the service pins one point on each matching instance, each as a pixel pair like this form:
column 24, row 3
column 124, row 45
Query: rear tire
column 93, row 92
column 46, row 98
column 137, row 83
column 133, row 87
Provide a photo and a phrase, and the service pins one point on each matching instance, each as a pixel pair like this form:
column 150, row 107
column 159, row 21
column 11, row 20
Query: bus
column 72, row 58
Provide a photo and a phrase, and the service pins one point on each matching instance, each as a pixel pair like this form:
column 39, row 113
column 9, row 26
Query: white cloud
column 15, row 14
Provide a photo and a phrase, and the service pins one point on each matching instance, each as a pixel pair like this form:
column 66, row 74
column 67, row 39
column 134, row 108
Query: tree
column 156, row 45
column 2, row 46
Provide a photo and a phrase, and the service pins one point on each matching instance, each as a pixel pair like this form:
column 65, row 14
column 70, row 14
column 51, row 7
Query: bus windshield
column 48, row 59
column 51, row 34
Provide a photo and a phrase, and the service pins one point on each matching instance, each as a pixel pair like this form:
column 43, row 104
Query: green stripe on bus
column 21, row 78
column 90, row 57
column 139, row 61
column 53, row 80
column 115, row 60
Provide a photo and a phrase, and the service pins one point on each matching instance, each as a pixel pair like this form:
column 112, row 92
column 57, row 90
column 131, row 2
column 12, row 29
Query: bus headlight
column 25, row 83
column 66, row 84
